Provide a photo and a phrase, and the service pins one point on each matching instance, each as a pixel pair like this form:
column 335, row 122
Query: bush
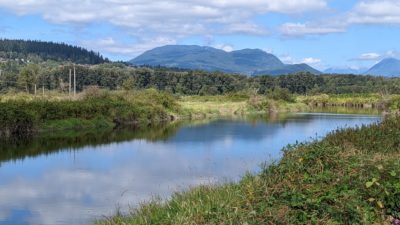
column 18, row 116
column 281, row 94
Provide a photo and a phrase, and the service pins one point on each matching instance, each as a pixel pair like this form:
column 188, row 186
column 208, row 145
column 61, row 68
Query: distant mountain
column 40, row 50
column 246, row 61
column 345, row 70
column 389, row 67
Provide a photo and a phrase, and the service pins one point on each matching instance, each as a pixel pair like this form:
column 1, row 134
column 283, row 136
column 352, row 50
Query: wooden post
column 43, row 90
column 35, row 89
column 70, row 83
column 74, row 81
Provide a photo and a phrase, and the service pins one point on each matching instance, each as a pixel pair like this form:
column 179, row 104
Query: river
column 74, row 178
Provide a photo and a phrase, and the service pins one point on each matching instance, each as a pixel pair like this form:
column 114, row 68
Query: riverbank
column 100, row 109
column 90, row 110
column 350, row 177
column 95, row 108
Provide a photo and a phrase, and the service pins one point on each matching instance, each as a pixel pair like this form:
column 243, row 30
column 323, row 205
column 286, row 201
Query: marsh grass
column 350, row 177
column 20, row 115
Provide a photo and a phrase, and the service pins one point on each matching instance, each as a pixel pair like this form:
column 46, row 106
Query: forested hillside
column 38, row 51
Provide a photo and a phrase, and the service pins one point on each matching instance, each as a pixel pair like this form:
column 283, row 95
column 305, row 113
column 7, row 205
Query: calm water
column 76, row 178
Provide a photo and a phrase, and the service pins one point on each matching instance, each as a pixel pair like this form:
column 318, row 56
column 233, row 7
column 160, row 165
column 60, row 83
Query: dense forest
column 19, row 76
column 37, row 51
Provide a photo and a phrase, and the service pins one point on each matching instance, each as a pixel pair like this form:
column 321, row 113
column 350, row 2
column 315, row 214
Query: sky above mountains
column 321, row 33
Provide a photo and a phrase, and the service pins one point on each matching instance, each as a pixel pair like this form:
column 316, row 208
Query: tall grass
column 20, row 116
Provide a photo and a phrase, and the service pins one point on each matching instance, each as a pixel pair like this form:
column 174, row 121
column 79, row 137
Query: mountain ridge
column 44, row 50
column 388, row 67
column 245, row 61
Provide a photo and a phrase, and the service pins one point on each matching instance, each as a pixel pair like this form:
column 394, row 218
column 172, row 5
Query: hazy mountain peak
column 345, row 70
column 389, row 67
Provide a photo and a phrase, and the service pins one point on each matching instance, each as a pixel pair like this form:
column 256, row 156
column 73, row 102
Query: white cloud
column 164, row 17
column 311, row 61
column 246, row 28
column 314, row 62
column 225, row 47
column 364, row 12
column 376, row 12
column 368, row 56
column 109, row 45
column 376, row 57
column 302, row 29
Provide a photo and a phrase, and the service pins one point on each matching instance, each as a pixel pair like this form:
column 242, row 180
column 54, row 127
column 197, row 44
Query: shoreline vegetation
column 352, row 176
column 23, row 114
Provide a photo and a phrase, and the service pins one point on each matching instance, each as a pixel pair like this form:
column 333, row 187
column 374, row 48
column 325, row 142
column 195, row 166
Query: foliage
column 281, row 94
column 37, row 51
column 22, row 116
column 116, row 76
column 350, row 177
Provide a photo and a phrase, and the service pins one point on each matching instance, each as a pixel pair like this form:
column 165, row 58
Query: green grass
column 235, row 105
column 22, row 113
column 350, row 177
column 351, row 100
column 92, row 109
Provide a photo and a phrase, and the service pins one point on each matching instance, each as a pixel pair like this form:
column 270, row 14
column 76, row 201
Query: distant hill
column 345, row 70
column 22, row 49
column 246, row 61
column 289, row 69
column 389, row 67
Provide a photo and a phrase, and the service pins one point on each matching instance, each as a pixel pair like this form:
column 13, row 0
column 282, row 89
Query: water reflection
column 75, row 178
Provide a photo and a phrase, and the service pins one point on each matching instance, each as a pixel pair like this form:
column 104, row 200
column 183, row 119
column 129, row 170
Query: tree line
column 36, row 51
column 55, row 76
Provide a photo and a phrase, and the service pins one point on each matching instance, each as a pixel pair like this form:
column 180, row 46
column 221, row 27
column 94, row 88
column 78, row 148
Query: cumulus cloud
column 364, row 12
column 311, row 61
column 372, row 56
column 173, row 16
column 302, row 29
column 368, row 56
column 110, row 45
column 285, row 58
column 225, row 47
column 376, row 12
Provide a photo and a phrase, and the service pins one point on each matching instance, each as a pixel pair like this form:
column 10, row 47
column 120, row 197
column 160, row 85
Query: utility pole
column 70, row 84
column 74, row 81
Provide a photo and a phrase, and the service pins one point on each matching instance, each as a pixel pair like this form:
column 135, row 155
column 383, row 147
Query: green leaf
column 369, row 184
column 393, row 173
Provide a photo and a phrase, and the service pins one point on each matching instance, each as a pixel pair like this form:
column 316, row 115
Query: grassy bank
column 350, row 177
column 236, row 105
column 90, row 110
column 21, row 113
column 350, row 100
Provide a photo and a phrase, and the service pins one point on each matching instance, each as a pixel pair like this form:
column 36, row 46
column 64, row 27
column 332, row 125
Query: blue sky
column 322, row 33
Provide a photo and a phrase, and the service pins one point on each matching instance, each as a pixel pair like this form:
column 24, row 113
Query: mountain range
column 246, row 61
column 389, row 67
column 345, row 70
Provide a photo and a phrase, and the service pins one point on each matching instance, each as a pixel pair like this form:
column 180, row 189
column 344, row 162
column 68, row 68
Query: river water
column 76, row 178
